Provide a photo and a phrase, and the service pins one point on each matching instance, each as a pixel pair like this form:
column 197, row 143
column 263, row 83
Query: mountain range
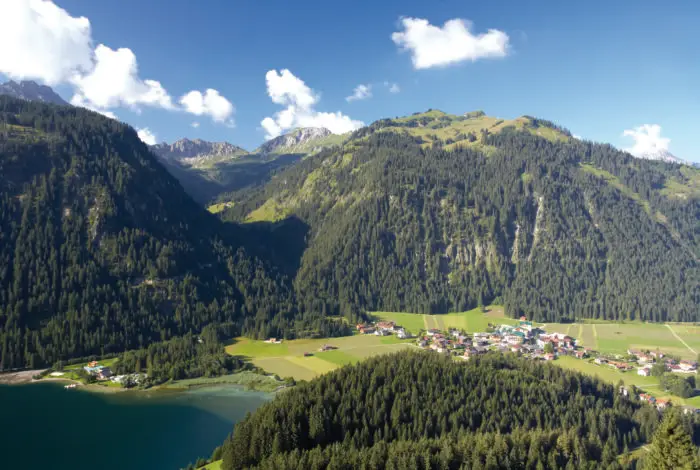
column 105, row 251
column 209, row 169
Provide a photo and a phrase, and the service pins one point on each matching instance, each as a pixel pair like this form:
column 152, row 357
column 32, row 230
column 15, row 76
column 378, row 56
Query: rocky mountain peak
column 662, row 155
column 196, row 151
column 294, row 139
column 31, row 91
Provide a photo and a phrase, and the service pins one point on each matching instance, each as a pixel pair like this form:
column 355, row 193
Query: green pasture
column 288, row 360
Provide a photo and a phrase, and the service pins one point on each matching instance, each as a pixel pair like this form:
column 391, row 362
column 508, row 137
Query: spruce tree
column 672, row 447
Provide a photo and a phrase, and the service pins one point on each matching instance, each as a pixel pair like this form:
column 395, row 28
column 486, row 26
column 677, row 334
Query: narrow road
column 681, row 339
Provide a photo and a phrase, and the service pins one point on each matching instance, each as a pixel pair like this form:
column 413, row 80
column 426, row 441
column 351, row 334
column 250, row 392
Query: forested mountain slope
column 101, row 250
column 421, row 410
column 437, row 213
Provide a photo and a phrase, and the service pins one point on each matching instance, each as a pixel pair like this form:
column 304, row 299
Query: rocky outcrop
column 197, row 152
column 294, row 139
column 31, row 91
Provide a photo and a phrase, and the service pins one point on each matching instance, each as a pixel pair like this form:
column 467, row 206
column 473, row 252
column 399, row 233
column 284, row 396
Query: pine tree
column 672, row 447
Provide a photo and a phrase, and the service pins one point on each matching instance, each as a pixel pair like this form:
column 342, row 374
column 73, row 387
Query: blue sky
column 597, row 68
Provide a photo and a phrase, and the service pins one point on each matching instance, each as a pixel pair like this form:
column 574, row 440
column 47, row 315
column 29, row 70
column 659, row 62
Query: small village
column 535, row 343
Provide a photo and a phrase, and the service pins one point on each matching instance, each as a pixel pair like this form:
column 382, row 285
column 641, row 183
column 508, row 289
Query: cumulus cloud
column 114, row 82
column 361, row 92
column 434, row 46
column 647, row 140
column 42, row 41
column 285, row 89
column 146, row 136
column 209, row 103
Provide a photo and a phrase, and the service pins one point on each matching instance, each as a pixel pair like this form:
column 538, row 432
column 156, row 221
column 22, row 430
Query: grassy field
column 610, row 375
column 287, row 359
column 619, row 337
column 688, row 333
column 471, row 321
column 213, row 466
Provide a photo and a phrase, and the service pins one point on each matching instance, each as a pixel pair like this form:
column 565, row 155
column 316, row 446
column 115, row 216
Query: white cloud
column 287, row 90
column 647, row 140
column 146, row 136
column 393, row 87
column 211, row 103
column 195, row 125
column 575, row 136
column 434, row 46
column 114, row 82
column 361, row 92
column 42, row 41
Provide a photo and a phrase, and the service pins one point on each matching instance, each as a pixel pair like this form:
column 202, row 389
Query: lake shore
column 244, row 380
column 19, row 377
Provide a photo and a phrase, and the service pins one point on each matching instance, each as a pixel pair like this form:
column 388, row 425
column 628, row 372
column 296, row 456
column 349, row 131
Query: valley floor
column 304, row 360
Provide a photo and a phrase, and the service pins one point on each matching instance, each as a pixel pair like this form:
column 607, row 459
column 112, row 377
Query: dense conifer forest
column 555, row 228
column 102, row 251
column 419, row 410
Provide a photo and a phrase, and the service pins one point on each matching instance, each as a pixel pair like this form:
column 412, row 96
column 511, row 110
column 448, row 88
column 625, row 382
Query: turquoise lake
column 44, row 426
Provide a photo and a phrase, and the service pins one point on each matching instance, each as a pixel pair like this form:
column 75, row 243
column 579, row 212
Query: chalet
column 455, row 333
column 495, row 338
column 619, row 365
column 515, row 348
column 367, row 330
column 381, row 332
column 422, row 343
column 104, row 373
column 657, row 355
column 644, row 371
column 624, row 391
column 273, row 341
column 403, row 334
column 514, row 339
column 645, row 397
column 360, row 326
column 548, row 357
column 645, row 358
column 386, row 325
column 580, row 354
column 662, row 404
column 433, row 332
column 600, row 360
column 688, row 365
column 326, row 347
column 690, row 410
